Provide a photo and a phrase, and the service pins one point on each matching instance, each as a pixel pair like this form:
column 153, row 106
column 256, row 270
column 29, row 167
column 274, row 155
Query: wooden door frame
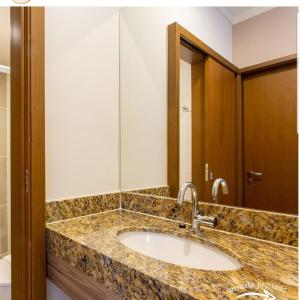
column 178, row 36
column 271, row 64
column 28, row 154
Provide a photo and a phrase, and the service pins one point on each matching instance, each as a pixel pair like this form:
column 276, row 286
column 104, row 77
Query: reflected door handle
column 254, row 176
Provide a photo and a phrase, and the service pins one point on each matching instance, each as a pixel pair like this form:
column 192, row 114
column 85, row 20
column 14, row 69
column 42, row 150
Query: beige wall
column 265, row 37
column 143, row 83
column 82, row 101
column 4, row 36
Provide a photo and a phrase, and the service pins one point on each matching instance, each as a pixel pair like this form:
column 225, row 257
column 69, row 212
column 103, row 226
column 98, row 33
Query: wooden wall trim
column 179, row 37
column 37, row 155
column 28, row 154
column 239, row 142
column 290, row 59
column 173, row 108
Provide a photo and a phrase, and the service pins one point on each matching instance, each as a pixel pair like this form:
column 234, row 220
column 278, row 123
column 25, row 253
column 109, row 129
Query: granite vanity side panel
column 124, row 281
column 275, row 227
column 77, row 207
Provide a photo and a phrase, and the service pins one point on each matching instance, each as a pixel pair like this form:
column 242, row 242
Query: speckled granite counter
column 132, row 275
column 264, row 225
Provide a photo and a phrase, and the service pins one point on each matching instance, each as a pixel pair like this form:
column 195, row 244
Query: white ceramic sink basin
column 179, row 251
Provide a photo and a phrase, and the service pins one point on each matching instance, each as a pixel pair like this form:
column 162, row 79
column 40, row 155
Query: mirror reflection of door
column 225, row 109
column 220, row 129
column 239, row 125
column 208, row 124
column 270, row 139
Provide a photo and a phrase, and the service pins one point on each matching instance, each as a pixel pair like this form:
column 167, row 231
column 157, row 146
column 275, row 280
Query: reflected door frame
column 28, row 153
column 184, row 45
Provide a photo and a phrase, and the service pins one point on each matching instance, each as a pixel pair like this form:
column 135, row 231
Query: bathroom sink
column 180, row 251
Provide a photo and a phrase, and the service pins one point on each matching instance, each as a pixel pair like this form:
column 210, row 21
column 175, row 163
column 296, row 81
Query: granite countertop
column 131, row 275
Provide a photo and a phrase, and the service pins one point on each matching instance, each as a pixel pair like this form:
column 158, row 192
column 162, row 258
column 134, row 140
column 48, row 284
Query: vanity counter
column 90, row 245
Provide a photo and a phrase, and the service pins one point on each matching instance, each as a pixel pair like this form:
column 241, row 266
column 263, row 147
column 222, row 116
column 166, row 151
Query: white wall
column 55, row 293
column 82, row 94
column 82, row 101
column 185, row 135
column 144, row 84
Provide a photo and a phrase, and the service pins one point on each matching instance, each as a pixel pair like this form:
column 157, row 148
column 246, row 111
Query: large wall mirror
column 203, row 104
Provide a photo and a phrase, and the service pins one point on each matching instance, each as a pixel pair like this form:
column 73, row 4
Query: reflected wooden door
column 270, row 139
column 220, row 128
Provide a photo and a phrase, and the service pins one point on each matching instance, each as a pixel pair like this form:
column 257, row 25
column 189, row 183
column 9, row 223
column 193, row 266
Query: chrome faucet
column 197, row 218
column 195, row 209
column 215, row 188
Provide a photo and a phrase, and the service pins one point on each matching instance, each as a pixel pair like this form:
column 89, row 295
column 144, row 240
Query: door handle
column 254, row 176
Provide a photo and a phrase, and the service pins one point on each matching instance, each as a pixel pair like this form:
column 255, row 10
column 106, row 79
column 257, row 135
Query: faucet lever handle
column 207, row 221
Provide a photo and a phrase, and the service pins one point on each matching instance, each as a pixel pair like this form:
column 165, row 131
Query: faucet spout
column 215, row 188
column 197, row 218
column 195, row 207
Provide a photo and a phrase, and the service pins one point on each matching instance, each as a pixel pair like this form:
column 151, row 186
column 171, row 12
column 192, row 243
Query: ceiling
column 239, row 14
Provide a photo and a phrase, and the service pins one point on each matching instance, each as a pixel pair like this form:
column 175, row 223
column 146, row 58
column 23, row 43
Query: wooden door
column 28, row 269
column 270, row 139
column 220, row 128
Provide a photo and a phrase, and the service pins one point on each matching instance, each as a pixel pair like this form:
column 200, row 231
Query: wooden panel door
column 28, row 239
column 220, row 128
column 270, row 139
